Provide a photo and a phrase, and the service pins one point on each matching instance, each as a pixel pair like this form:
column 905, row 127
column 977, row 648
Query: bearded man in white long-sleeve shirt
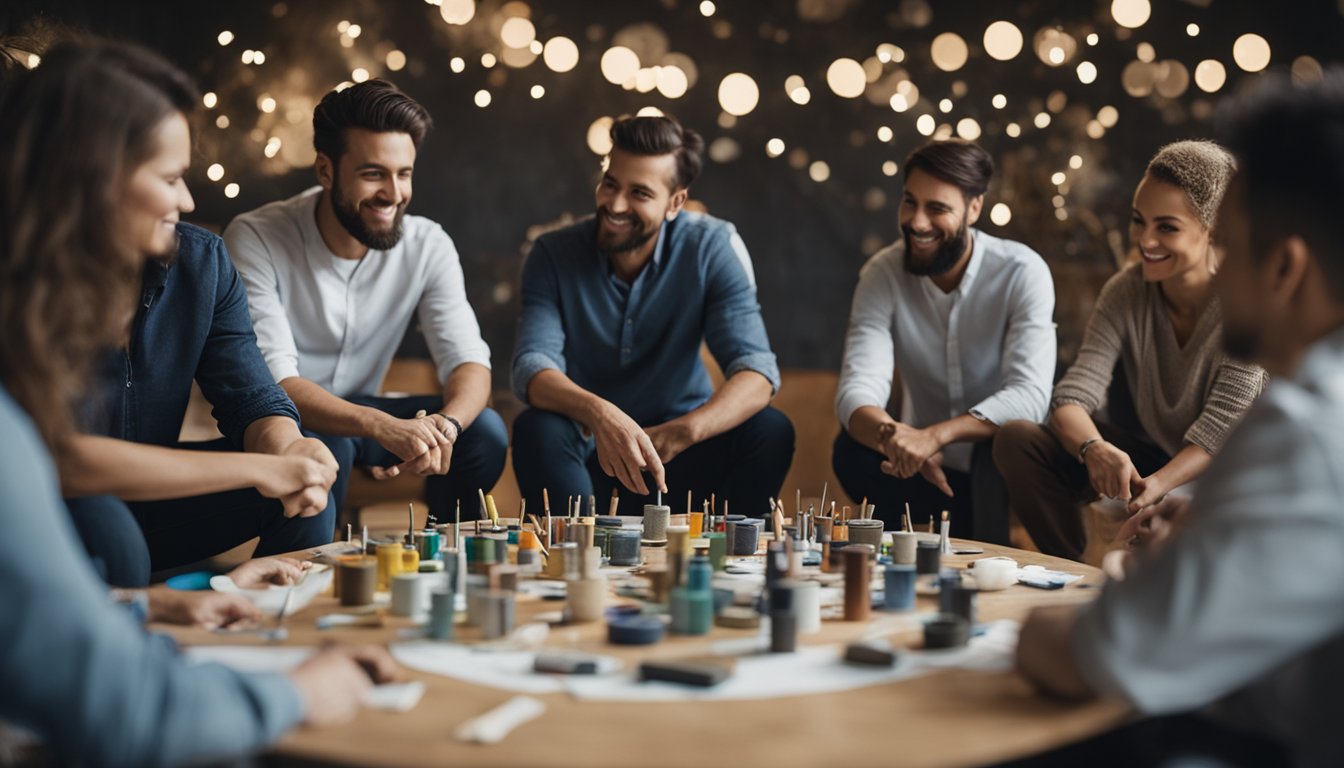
column 965, row 317
column 335, row 275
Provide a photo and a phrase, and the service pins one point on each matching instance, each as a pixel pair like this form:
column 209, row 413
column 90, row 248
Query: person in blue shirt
column 615, row 309
column 92, row 150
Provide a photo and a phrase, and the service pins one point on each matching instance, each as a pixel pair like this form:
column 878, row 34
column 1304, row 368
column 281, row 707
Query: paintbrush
column 615, row 500
column 484, row 509
column 410, row 524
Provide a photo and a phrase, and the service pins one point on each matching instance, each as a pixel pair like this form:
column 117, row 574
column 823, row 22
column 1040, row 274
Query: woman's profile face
column 156, row 194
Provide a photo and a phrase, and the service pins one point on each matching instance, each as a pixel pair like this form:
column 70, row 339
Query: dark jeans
column 478, row 456
column 128, row 540
column 1047, row 485
column 744, row 466
column 977, row 507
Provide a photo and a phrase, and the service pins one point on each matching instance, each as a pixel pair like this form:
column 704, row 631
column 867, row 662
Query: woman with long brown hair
column 93, row 147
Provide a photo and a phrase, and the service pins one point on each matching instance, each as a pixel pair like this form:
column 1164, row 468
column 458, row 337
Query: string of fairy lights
column 261, row 105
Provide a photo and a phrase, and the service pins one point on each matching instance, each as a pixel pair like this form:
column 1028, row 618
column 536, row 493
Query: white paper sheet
column 811, row 670
column 505, row 670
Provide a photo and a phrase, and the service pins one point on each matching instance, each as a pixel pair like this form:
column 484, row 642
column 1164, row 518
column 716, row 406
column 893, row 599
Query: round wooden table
column 954, row 717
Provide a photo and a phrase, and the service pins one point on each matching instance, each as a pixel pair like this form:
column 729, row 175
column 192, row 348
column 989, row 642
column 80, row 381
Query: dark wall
column 488, row 175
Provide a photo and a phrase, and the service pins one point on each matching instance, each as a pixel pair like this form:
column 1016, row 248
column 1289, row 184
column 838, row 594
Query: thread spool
column 783, row 620
column 557, row 565
column 476, row 587
column 678, row 551
column 928, row 557
column 866, row 532
column 635, row 630
column 776, row 562
column 746, row 537
column 441, row 614
column 454, row 567
column 994, row 573
column 583, row 532
column 590, row 563
column 427, row 543
column 840, row 532
column 695, row 521
column 947, row 632
column 624, row 547
column 698, row 574
column 807, row 607
column 948, row 579
column 718, row 549
column 903, row 545
column 410, row 594
column 858, row 604
column 963, row 602
column 659, row 583
column 496, row 614
column 692, row 611
column 825, row 527
column 656, row 519
column 584, row 599
column 394, row 558
column 356, row 576
column 501, row 549
column 899, row 587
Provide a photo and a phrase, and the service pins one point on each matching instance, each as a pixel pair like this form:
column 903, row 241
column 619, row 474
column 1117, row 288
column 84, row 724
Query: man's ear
column 677, row 202
column 973, row 208
column 1289, row 267
column 325, row 170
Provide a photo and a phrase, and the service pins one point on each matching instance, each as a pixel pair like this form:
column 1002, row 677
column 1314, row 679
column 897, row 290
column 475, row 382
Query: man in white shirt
column 966, row 319
column 1241, row 608
column 335, row 275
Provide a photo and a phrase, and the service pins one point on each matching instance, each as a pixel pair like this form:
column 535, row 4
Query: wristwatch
column 457, row 425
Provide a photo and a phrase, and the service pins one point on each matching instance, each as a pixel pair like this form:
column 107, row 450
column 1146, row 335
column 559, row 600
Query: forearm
column 962, row 429
column 272, row 434
column 1188, row 464
column 466, row 392
column 1045, row 654
column 551, row 390
column 324, row 412
column 865, row 426
column 92, row 466
column 1073, row 426
column 742, row 396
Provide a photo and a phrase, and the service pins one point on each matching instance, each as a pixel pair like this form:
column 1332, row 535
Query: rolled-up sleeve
column 256, row 266
column 734, row 328
column 870, row 351
column 1028, row 352
column 1235, row 387
column 541, row 332
column 232, row 373
column 446, row 317
column 1087, row 380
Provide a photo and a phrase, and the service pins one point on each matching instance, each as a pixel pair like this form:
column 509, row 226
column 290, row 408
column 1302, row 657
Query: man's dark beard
column 944, row 259
column 637, row 236
column 348, row 215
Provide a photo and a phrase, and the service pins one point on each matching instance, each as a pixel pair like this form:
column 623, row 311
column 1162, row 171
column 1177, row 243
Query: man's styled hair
column 375, row 105
column 963, row 164
column 1289, row 143
column 651, row 136
column 1201, row 169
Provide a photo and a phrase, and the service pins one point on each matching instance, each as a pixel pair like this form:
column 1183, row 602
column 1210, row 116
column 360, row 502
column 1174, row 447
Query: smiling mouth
column 382, row 211
column 924, row 240
column 615, row 222
column 1154, row 258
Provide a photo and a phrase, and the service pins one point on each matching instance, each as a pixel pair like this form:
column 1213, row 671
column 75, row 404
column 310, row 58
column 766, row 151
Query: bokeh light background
column 808, row 108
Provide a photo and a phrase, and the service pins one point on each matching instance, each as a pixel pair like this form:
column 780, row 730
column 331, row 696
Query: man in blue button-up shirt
column 614, row 312
column 141, row 505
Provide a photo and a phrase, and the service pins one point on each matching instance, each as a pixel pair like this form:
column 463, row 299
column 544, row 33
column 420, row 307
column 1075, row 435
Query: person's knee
column 538, row 433
column 113, row 539
column 1014, row 441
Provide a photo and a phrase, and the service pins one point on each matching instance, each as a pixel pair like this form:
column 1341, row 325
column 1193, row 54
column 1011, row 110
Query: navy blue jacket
column 192, row 322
